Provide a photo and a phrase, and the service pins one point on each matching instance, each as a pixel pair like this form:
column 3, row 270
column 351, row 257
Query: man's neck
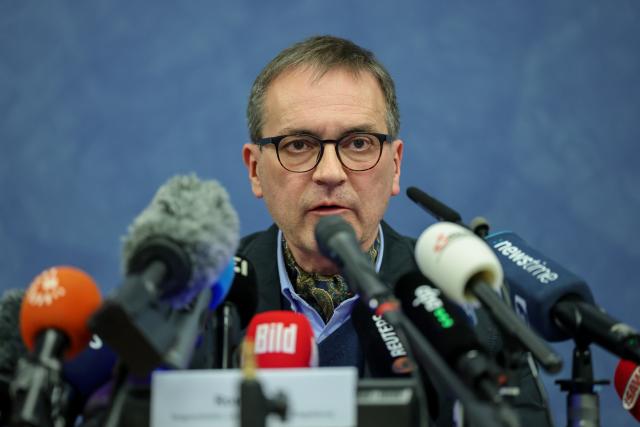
column 312, row 261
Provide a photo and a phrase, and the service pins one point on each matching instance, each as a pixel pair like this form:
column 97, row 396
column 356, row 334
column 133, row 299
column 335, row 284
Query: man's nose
column 330, row 170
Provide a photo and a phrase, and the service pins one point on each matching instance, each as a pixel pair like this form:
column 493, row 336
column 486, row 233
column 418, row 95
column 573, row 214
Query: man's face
column 328, row 108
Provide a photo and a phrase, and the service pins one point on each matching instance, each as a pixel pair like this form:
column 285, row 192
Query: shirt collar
column 296, row 303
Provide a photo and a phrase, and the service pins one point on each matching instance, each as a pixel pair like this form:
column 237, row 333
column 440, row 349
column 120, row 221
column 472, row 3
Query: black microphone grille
column 433, row 206
column 328, row 227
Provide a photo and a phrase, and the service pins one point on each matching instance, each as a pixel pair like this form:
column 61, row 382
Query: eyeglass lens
column 300, row 153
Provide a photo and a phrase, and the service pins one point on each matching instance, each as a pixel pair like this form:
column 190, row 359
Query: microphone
column 439, row 210
column 274, row 339
column 53, row 326
column 627, row 384
column 11, row 347
column 282, row 339
column 465, row 268
column 85, row 372
column 236, row 311
column 177, row 257
column 191, row 228
column 90, row 369
column 446, row 327
column 385, row 353
column 337, row 241
column 243, row 294
column 60, row 299
column 557, row 303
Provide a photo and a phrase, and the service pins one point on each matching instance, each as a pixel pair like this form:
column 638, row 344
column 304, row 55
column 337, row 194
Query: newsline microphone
column 467, row 271
column 178, row 262
column 53, row 325
column 627, row 384
column 554, row 301
column 557, row 303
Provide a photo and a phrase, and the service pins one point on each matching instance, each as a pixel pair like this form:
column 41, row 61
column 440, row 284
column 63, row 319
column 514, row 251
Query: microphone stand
column 480, row 414
column 513, row 355
column 254, row 405
column 118, row 396
column 583, row 402
column 39, row 395
column 225, row 327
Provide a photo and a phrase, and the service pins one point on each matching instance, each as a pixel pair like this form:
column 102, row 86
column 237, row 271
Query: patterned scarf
column 323, row 293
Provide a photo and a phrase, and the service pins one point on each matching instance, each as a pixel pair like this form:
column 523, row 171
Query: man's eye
column 358, row 143
column 298, row 145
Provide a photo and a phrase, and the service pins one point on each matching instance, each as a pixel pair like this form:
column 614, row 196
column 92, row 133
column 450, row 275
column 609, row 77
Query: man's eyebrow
column 359, row 129
column 305, row 131
column 297, row 131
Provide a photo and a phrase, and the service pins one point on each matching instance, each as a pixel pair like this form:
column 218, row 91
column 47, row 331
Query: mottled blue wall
column 525, row 112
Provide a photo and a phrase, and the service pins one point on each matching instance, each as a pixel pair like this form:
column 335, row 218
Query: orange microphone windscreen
column 60, row 298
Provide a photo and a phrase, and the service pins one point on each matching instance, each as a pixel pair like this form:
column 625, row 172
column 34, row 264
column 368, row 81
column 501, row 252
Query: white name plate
column 317, row 397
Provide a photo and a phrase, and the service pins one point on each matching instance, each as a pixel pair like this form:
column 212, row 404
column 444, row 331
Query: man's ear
column 250, row 155
column 396, row 148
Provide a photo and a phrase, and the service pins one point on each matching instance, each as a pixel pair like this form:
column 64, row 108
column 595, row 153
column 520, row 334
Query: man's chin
column 346, row 214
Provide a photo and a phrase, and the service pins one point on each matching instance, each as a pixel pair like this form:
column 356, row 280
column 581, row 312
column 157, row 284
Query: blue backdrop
column 524, row 112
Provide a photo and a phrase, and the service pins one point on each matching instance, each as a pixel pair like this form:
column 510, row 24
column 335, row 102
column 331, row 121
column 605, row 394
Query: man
column 302, row 178
column 324, row 122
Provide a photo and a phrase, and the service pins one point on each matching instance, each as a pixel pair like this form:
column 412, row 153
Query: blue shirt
column 341, row 313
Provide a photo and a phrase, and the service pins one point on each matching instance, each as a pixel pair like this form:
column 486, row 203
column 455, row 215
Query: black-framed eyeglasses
column 357, row 152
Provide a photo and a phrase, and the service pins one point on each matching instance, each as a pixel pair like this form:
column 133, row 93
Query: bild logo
column 276, row 338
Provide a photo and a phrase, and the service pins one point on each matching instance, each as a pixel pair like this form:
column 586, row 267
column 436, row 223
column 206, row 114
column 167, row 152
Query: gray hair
column 322, row 53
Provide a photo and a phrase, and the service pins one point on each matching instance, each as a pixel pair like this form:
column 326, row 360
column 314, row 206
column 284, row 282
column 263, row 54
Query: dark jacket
column 260, row 249
column 398, row 259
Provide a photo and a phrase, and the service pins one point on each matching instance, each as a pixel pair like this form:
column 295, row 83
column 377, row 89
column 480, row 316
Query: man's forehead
column 311, row 75
column 299, row 98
